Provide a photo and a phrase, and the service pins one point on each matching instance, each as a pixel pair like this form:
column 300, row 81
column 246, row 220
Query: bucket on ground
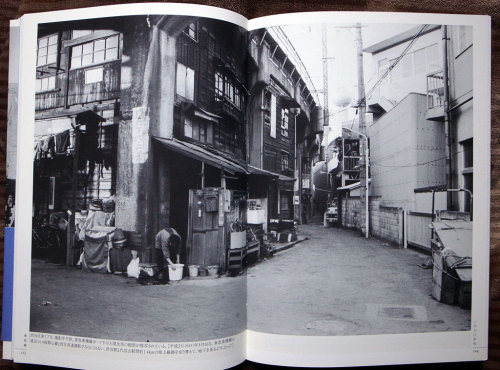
column 175, row 275
column 193, row 270
column 212, row 270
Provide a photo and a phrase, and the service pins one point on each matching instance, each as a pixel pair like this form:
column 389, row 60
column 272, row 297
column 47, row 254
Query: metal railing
column 435, row 90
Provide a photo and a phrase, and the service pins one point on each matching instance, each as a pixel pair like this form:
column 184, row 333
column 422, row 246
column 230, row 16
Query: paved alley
column 339, row 283
column 69, row 301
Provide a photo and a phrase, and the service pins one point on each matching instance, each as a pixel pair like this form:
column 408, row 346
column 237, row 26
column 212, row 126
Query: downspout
column 447, row 123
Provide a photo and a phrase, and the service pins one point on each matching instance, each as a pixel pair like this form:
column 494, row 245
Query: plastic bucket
column 175, row 275
column 193, row 270
column 212, row 270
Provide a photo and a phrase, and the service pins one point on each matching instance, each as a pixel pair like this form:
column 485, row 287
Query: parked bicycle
column 46, row 241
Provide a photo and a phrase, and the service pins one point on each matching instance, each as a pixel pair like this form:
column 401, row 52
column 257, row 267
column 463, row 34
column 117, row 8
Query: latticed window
column 47, row 50
column 94, row 52
column 45, row 84
column 226, row 88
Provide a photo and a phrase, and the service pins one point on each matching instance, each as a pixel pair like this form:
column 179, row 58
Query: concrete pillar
column 147, row 103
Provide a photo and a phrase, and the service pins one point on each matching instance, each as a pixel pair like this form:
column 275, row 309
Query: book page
column 119, row 257
column 388, row 262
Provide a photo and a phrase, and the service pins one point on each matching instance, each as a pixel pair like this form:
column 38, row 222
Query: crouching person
column 167, row 246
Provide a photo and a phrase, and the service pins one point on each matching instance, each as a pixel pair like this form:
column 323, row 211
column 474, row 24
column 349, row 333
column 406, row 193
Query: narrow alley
column 339, row 283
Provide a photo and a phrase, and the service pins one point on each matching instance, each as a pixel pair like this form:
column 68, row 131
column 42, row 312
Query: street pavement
column 339, row 283
column 70, row 301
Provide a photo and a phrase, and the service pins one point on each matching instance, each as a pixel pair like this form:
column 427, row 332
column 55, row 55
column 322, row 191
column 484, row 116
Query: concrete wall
column 406, row 152
column 385, row 222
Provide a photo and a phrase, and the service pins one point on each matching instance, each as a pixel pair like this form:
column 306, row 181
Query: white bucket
column 212, row 270
column 175, row 275
column 193, row 270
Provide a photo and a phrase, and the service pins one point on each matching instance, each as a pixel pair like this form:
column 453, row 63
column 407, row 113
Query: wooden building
column 181, row 149
column 284, row 121
column 77, row 110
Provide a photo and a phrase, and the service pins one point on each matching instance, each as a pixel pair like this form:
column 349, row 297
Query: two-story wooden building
column 182, row 135
column 284, row 121
column 77, row 112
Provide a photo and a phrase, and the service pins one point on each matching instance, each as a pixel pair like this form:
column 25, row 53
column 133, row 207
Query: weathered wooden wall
column 253, row 8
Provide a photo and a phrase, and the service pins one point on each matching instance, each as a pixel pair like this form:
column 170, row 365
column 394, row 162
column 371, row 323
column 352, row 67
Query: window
column 80, row 33
column 226, row 88
column 94, row 75
column 421, row 61
column 45, row 84
column 284, row 201
column 192, row 31
column 285, row 116
column 285, row 161
column 432, row 58
column 198, row 130
column 464, row 38
column 267, row 106
column 219, row 86
column 47, row 50
column 185, row 81
column 94, row 52
column 273, row 116
column 383, row 65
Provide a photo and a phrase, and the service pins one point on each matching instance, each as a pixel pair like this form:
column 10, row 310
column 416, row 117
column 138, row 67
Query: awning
column 353, row 186
column 288, row 101
column 198, row 112
column 211, row 157
column 286, row 178
column 258, row 171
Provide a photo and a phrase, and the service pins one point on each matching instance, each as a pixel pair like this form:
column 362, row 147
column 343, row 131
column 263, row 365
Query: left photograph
column 139, row 187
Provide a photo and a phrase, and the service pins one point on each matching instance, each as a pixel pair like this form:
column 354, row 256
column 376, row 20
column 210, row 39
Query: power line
column 417, row 164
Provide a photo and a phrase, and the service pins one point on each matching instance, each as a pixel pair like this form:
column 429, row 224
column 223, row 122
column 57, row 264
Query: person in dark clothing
column 167, row 246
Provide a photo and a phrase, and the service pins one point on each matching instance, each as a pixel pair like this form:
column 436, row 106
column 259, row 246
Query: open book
column 193, row 188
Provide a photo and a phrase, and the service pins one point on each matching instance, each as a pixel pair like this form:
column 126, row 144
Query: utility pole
column 447, row 126
column 325, row 75
column 363, row 176
column 325, row 98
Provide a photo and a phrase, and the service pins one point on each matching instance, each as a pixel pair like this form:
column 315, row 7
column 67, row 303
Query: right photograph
column 367, row 130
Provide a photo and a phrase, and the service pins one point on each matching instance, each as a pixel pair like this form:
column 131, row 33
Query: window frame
column 46, row 48
column 82, row 52
column 185, row 71
column 189, row 29
column 49, row 87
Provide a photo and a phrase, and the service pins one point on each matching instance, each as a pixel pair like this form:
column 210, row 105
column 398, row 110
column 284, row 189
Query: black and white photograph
column 206, row 188
column 369, row 129
column 140, row 179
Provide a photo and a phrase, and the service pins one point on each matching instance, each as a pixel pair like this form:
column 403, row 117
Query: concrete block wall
column 385, row 222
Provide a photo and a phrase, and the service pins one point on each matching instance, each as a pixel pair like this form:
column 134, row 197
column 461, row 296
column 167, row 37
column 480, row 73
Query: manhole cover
column 396, row 312
column 326, row 326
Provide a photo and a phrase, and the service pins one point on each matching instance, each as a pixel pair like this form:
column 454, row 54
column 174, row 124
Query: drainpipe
column 447, row 123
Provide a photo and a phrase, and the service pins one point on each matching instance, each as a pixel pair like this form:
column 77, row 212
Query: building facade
column 418, row 129
column 282, row 134
column 76, row 118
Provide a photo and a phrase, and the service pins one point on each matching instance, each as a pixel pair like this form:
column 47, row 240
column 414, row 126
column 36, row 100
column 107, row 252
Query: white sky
column 341, row 54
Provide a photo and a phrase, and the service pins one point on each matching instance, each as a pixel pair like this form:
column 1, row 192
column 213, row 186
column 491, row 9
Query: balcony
column 435, row 96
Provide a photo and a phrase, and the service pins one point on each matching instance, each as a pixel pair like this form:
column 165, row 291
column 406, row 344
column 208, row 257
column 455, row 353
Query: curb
column 289, row 245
